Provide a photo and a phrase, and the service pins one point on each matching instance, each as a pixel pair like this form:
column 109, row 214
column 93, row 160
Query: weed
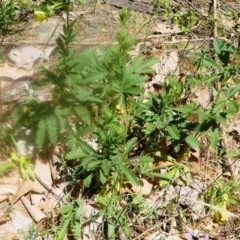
column 223, row 196
column 98, row 95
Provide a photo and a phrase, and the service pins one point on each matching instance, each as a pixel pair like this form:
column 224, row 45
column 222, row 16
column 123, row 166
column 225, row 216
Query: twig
column 215, row 32
column 154, row 227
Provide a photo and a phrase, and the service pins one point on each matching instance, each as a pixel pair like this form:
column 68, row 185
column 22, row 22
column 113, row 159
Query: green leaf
column 232, row 154
column 101, row 200
column 66, row 209
column 129, row 147
column 41, row 133
column 209, row 62
column 232, row 107
column 217, row 43
column 111, row 230
column 174, row 132
column 104, row 171
column 219, row 105
column 75, row 155
column 231, row 92
column 83, row 113
column 87, row 179
column 215, row 138
column 185, row 108
column 149, row 63
column 131, row 177
column 52, row 127
column 93, row 165
column 144, row 159
column 192, row 142
column 62, row 230
column 171, row 174
column 77, row 223
column 211, row 79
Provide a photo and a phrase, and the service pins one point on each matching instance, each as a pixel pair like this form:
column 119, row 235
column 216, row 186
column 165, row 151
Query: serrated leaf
column 93, row 165
column 232, row 107
column 219, row 106
column 232, row 154
column 174, row 132
column 128, row 148
column 101, row 200
column 209, row 62
column 87, row 179
column 104, row 171
column 52, row 129
column 144, row 159
column 214, row 138
column 171, row 174
column 75, row 155
column 41, row 133
column 62, row 230
column 185, row 108
column 231, row 92
column 83, row 113
column 217, row 44
column 131, row 177
column 192, row 142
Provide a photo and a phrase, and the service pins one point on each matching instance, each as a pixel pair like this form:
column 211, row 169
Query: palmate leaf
column 41, row 133
column 131, row 177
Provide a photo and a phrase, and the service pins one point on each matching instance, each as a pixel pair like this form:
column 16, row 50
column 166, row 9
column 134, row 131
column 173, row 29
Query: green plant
column 222, row 195
column 98, row 95
column 71, row 221
column 7, row 15
column 186, row 20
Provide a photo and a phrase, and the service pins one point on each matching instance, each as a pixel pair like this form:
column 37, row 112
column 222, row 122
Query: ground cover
column 119, row 124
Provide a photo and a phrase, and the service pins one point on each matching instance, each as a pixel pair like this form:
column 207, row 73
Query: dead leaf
column 14, row 73
column 164, row 29
column 20, row 221
column 201, row 96
column 168, row 64
column 145, row 189
column 26, row 56
column 91, row 227
column 33, row 210
column 154, row 236
column 27, row 186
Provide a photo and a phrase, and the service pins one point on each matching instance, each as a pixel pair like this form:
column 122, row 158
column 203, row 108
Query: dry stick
column 229, row 161
column 215, row 32
column 152, row 228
